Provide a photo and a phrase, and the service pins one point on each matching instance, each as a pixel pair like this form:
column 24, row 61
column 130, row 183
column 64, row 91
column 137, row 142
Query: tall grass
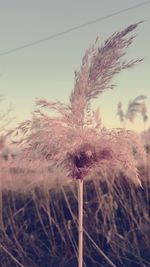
column 39, row 226
column 39, row 222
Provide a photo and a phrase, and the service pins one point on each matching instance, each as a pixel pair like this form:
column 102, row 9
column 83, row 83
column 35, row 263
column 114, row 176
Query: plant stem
column 80, row 217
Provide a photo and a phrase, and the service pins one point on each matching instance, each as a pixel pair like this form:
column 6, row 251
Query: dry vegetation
column 39, row 223
column 38, row 188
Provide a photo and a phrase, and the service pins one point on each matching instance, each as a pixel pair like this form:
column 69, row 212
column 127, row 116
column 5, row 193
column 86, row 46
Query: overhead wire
column 56, row 35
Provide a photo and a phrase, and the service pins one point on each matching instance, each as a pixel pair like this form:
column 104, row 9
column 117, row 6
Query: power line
column 53, row 36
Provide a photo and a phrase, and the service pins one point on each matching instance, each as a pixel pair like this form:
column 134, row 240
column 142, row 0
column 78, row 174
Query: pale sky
column 47, row 69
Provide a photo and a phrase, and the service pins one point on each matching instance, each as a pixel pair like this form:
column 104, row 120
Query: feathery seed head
column 74, row 138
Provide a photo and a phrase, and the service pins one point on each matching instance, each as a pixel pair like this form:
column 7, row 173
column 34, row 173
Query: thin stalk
column 11, row 256
column 80, row 218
